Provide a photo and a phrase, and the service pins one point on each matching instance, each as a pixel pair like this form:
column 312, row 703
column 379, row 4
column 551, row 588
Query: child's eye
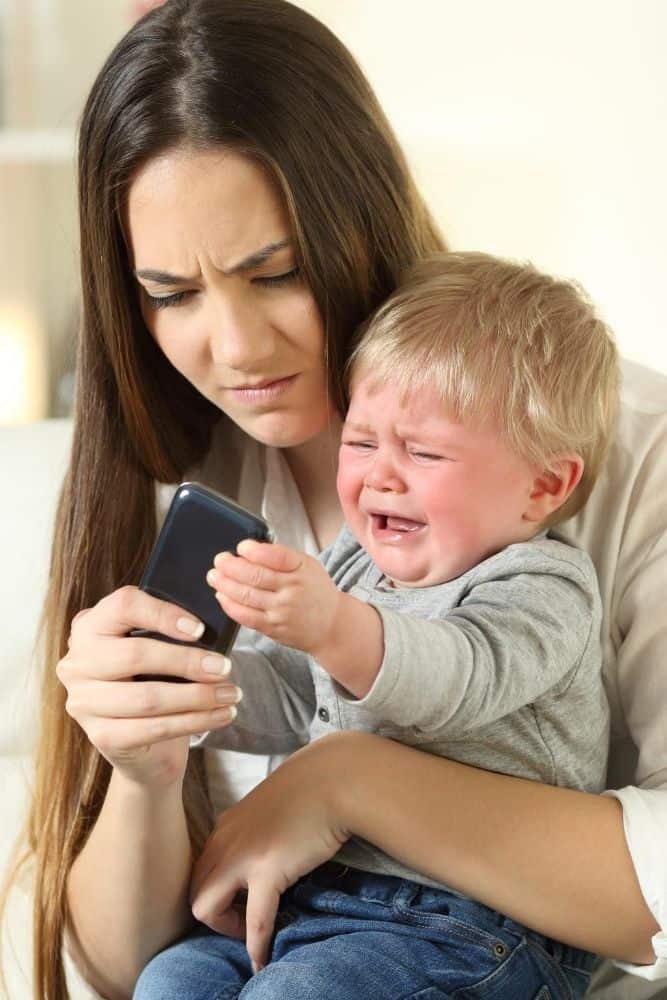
column 276, row 280
column 360, row 445
column 163, row 301
column 426, row 456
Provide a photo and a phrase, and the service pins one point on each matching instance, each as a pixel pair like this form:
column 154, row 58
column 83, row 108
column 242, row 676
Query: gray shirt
column 499, row 668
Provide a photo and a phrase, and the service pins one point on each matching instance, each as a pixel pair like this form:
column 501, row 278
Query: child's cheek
column 348, row 484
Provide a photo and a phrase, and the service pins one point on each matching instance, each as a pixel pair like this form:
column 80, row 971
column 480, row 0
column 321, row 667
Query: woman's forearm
column 128, row 888
column 551, row 858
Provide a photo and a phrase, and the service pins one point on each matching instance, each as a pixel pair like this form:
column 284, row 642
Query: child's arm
column 289, row 597
column 519, row 632
column 278, row 701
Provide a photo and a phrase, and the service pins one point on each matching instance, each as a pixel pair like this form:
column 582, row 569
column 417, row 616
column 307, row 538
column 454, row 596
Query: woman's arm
column 128, row 889
column 553, row 859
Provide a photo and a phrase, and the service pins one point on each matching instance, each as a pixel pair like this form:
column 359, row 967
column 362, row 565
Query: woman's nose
column 239, row 336
column 383, row 476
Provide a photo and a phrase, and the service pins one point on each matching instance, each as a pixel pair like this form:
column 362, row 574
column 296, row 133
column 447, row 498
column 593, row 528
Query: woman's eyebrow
column 248, row 263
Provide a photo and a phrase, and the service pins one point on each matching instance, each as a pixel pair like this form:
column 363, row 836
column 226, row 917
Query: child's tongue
column 402, row 524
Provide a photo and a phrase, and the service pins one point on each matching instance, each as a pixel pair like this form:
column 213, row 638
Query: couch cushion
column 33, row 459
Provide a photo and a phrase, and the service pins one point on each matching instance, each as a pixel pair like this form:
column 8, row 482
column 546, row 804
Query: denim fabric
column 343, row 934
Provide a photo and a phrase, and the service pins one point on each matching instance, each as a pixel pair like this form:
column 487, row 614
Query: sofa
column 34, row 459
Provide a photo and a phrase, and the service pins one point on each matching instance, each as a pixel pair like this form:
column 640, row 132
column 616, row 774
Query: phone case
column 199, row 524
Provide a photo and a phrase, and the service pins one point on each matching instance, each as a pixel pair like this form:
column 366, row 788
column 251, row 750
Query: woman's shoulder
column 626, row 511
column 634, row 475
column 643, row 390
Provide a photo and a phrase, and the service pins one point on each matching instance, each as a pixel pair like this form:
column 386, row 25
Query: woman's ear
column 553, row 486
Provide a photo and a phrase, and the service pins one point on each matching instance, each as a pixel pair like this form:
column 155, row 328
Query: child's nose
column 383, row 475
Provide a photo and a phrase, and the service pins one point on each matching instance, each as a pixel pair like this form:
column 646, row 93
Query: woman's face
column 212, row 249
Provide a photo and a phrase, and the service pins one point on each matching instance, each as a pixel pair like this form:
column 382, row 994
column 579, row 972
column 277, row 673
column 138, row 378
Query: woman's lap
column 352, row 936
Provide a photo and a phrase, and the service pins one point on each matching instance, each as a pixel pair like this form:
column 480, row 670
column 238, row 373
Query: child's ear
column 552, row 486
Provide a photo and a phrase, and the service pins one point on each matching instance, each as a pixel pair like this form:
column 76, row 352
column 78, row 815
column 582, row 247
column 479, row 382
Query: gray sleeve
column 509, row 642
column 278, row 701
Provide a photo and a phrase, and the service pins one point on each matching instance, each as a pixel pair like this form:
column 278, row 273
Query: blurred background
column 535, row 130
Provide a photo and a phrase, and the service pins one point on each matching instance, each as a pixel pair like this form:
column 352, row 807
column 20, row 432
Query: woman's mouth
column 262, row 392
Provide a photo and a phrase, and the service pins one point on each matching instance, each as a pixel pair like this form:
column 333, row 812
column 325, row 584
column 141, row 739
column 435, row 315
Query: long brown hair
column 265, row 78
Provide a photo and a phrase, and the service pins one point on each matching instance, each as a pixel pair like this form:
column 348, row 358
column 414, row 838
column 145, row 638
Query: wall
column 50, row 52
column 536, row 130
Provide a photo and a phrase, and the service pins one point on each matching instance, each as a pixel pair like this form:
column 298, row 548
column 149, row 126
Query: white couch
column 33, row 459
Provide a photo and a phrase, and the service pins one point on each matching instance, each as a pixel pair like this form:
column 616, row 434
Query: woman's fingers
column 231, row 922
column 115, row 736
column 213, row 897
column 130, row 608
column 143, row 726
column 260, row 918
column 127, row 700
column 106, row 658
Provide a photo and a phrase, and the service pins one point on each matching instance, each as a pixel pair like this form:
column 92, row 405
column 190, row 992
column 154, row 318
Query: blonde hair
column 502, row 342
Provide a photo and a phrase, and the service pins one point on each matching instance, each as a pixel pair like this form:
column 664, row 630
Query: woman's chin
column 282, row 430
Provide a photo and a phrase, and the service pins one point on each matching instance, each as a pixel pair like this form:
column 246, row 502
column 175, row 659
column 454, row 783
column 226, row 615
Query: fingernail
column 191, row 627
column 229, row 694
column 212, row 578
column 214, row 664
column 225, row 714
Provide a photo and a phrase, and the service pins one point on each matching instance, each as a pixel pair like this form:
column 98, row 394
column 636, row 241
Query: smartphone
column 199, row 524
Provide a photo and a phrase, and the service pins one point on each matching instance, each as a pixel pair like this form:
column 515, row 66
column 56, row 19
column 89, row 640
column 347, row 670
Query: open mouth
column 392, row 523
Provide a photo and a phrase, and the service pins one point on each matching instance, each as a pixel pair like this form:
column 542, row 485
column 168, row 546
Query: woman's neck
column 313, row 466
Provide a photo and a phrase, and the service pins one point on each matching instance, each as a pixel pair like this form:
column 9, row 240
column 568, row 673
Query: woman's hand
column 281, row 830
column 143, row 727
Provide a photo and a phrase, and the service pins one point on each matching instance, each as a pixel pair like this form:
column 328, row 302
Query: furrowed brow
column 248, row 263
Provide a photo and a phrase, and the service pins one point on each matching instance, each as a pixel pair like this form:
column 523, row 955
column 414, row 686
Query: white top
column 624, row 528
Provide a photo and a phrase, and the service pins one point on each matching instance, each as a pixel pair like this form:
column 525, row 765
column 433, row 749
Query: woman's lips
column 262, row 393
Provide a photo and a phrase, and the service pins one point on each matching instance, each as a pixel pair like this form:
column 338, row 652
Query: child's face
column 426, row 497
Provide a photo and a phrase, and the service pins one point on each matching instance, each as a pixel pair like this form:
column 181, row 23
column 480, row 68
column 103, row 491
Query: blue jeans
column 343, row 934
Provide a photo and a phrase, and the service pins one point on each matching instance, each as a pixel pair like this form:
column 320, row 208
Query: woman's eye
column 276, row 280
column 163, row 301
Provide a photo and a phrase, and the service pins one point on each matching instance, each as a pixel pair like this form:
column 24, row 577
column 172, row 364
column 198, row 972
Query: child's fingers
column 270, row 554
column 260, row 918
column 230, row 567
column 241, row 593
column 250, row 617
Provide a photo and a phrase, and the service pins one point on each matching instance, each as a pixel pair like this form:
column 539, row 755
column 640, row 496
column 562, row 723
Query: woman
column 243, row 206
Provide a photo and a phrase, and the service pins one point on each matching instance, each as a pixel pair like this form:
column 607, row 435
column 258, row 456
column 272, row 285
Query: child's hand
column 281, row 593
column 281, row 830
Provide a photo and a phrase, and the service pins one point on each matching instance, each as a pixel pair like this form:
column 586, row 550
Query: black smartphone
column 199, row 524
